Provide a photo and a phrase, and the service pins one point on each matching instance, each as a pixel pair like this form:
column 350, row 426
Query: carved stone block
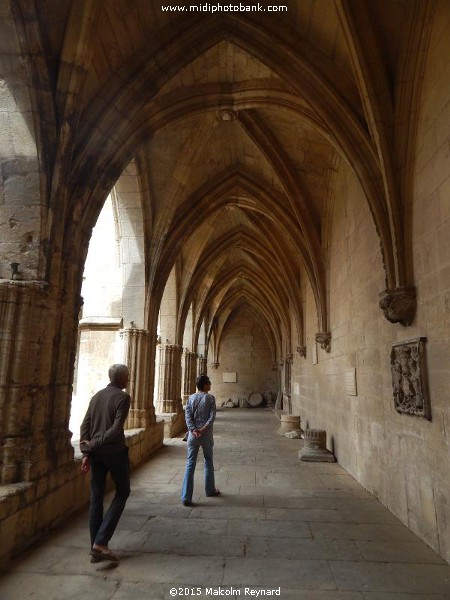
column 399, row 305
column 301, row 351
column 315, row 448
column 289, row 423
column 324, row 339
column 409, row 378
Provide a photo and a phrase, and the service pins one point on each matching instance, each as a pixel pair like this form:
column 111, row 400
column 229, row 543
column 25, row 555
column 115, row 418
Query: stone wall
column 28, row 510
column 244, row 350
column 403, row 460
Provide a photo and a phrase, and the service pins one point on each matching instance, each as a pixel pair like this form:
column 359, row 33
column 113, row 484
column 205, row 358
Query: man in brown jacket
column 104, row 451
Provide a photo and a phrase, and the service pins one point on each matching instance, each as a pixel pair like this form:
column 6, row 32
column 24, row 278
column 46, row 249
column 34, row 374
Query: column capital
column 301, row 350
column 399, row 304
column 324, row 339
column 133, row 332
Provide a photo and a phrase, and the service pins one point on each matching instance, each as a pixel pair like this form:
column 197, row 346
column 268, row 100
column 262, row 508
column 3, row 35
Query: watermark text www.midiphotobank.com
column 223, row 8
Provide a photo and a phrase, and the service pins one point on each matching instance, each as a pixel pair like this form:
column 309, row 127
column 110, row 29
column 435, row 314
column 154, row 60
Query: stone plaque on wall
column 229, row 377
column 350, row 382
column 314, row 353
column 409, row 378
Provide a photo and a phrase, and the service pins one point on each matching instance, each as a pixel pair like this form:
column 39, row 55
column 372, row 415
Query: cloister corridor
column 307, row 529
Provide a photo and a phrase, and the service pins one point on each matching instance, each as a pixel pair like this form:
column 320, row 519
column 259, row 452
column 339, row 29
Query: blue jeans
column 193, row 447
column 118, row 465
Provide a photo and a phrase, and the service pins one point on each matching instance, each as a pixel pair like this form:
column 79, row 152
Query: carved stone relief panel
column 409, row 378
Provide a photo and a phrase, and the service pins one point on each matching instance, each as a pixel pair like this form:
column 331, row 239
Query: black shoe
column 188, row 503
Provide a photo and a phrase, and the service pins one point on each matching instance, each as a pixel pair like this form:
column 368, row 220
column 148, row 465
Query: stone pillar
column 287, row 374
column 202, row 366
column 35, row 387
column 136, row 357
column 287, row 383
column 190, row 373
column 169, row 388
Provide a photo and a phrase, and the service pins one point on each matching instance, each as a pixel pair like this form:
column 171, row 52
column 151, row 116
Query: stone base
column 316, row 455
column 27, row 510
column 174, row 423
column 315, row 448
column 289, row 423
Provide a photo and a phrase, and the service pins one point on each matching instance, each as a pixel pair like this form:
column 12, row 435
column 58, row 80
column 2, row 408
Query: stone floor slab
column 274, row 529
column 332, row 516
column 252, row 535
column 35, row 586
column 271, row 573
column 205, row 545
column 392, row 577
column 323, row 499
column 414, row 552
column 222, row 511
column 388, row 596
column 352, row 531
column 287, row 547
column 191, row 526
column 161, row 568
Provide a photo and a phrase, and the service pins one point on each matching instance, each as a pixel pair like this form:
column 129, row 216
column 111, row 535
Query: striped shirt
column 200, row 411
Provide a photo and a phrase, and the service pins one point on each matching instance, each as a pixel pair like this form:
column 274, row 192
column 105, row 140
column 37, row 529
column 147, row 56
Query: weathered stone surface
column 315, row 448
column 269, row 174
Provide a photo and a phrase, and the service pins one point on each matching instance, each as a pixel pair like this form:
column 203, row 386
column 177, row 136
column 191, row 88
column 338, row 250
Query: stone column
column 190, row 374
column 287, row 374
column 287, row 383
column 136, row 357
column 202, row 366
column 169, row 388
column 35, row 387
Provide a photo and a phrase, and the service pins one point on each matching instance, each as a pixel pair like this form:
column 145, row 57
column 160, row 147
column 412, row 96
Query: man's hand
column 85, row 464
column 197, row 433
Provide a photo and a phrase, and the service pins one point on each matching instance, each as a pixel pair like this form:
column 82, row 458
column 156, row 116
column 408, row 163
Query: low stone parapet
column 29, row 509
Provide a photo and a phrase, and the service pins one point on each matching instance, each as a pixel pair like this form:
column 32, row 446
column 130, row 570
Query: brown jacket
column 104, row 421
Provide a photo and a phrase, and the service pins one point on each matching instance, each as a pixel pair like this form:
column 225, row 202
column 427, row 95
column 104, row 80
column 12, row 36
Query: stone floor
column 306, row 529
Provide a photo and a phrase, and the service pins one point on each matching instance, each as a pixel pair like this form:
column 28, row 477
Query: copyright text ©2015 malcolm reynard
column 243, row 592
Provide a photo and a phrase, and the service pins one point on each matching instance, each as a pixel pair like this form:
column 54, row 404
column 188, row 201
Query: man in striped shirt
column 200, row 415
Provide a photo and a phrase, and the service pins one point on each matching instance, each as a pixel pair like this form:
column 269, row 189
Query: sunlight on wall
column 99, row 346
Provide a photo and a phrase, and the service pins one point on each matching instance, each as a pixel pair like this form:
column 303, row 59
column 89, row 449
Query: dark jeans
column 118, row 465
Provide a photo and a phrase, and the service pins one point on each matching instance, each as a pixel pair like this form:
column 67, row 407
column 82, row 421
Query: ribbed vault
column 236, row 122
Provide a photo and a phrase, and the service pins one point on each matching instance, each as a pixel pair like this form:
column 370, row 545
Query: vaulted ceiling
column 237, row 122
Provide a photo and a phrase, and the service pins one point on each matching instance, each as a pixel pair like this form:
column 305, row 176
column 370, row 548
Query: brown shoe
column 102, row 555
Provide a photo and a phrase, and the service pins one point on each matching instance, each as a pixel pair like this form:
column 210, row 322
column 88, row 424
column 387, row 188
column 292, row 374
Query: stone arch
column 225, row 190
column 340, row 120
column 281, row 278
column 24, row 165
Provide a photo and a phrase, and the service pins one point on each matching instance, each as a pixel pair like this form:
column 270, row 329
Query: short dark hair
column 202, row 381
column 116, row 371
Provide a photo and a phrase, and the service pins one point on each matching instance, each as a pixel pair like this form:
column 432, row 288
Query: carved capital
column 214, row 365
column 399, row 305
column 301, row 350
column 226, row 113
column 288, row 358
column 324, row 339
column 133, row 332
